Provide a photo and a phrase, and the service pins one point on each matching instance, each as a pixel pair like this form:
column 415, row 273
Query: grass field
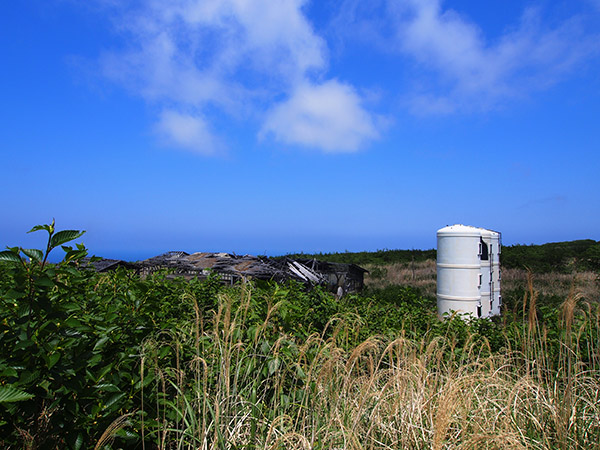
column 422, row 275
column 320, row 393
column 112, row 360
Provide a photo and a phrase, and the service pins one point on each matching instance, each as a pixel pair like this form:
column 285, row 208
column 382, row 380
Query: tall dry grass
column 554, row 283
column 419, row 274
column 422, row 275
column 242, row 385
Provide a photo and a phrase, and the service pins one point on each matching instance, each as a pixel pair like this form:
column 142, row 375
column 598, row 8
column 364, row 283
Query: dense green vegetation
column 563, row 257
column 379, row 257
column 88, row 359
column 556, row 256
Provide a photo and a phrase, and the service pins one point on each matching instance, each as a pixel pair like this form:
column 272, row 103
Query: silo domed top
column 490, row 233
column 460, row 230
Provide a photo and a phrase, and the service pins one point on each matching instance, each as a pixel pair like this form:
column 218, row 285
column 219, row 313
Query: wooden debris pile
column 232, row 268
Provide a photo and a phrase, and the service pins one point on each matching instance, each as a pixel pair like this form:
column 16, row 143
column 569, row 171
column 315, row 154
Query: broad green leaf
column 10, row 394
column 78, row 442
column 94, row 360
column 104, row 371
column 24, row 344
column 53, row 359
column 40, row 227
column 69, row 270
column 45, row 385
column 33, row 253
column 101, row 342
column 64, row 236
column 147, row 380
column 107, row 387
column 44, row 281
column 74, row 255
column 72, row 307
column 14, row 294
column 28, row 377
column 127, row 434
column 23, row 310
column 72, row 333
column 73, row 322
column 113, row 399
column 8, row 255
column 8, row 372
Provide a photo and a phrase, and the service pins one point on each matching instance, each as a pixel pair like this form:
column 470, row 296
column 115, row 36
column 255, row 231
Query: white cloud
column 477, row 74
column 465, row 69
column 189, row 132
column 158, row 71
column 236, row 56
column 328, row 116
column 195, row 52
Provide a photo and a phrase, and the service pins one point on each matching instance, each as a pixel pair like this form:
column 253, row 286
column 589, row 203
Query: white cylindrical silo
column 468, row 271
column 459, row 270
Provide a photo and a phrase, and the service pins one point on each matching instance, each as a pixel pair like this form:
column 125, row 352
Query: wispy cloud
column 467, row 70
column 190, row 132
column 262, row 62
column 482, row 74
column 234, row 55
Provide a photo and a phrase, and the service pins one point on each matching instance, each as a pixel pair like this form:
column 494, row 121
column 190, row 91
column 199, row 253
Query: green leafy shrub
column 70, row 342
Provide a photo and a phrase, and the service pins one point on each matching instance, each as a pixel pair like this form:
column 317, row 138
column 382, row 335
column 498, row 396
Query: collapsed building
column 231, row 268
column 350, row 277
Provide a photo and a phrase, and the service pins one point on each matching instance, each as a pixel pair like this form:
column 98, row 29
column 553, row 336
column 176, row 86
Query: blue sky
column 282, row 126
